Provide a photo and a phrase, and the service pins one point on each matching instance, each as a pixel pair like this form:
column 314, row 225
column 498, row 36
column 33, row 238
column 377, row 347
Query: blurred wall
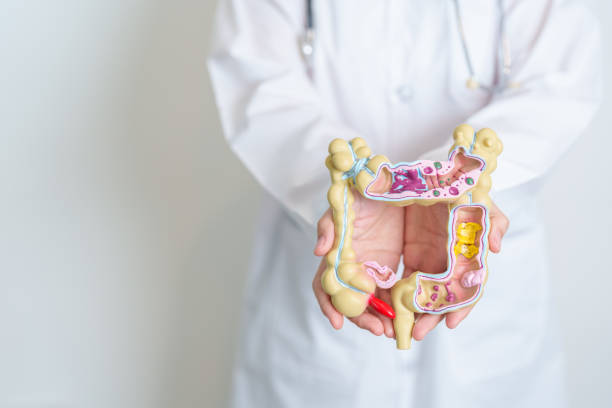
column 121, row 241
column 580, row 238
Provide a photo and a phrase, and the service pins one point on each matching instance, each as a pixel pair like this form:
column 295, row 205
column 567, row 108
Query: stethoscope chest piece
column 307, row 46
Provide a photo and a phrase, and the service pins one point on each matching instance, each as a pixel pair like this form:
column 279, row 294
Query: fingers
column 371, row 321
column 427, row 322
column 424, row 324
column 368, row 321
column 325, row 234
column 387, row 326
column 454, row 318
column 325, row 240
column 335, row 318
column 499, row 226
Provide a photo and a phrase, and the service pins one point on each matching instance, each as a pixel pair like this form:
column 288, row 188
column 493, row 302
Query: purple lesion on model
column 407, row 180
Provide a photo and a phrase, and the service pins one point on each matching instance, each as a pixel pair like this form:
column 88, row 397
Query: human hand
column 378, row 231
column 425, row 250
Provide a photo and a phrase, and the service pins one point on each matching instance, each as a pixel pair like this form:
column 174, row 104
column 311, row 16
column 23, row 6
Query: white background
column 124, row 239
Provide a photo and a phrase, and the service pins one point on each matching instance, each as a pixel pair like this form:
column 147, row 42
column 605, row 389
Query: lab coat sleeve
column 557, row 64
column 270, row 113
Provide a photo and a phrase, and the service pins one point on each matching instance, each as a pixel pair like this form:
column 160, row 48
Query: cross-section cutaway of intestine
column 427, row 179
column 462, row 182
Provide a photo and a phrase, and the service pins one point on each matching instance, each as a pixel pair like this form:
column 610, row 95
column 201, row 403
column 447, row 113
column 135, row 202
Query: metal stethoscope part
column 504, row 57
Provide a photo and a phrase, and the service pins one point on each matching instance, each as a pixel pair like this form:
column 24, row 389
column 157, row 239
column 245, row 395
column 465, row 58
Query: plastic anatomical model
column 463, row 182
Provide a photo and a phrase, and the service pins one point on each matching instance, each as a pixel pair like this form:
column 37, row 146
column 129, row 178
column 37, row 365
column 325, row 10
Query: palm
column 425, row 238
column 425, row 250
column 384, row 233
column 378, row 234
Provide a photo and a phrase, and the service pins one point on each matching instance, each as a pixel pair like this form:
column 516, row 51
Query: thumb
column 499, row 226
column 325, row 234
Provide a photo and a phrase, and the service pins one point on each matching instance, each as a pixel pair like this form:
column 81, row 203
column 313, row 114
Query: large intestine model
column 463, row 182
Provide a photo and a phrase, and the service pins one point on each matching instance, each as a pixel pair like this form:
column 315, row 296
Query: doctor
column 290, row 75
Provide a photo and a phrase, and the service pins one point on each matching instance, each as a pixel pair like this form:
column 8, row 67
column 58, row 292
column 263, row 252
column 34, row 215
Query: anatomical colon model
column 463, row 182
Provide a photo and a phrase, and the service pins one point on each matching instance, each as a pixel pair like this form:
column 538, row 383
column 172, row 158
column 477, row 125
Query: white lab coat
column 393, row 72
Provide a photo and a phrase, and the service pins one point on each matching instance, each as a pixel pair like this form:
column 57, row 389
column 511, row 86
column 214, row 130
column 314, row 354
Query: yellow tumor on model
column 466, row 236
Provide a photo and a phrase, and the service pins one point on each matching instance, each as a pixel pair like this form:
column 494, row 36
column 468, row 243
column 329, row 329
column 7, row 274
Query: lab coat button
column 404, row 93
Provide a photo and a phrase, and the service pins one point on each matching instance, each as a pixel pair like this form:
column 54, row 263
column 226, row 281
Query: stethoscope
column 504, row 56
